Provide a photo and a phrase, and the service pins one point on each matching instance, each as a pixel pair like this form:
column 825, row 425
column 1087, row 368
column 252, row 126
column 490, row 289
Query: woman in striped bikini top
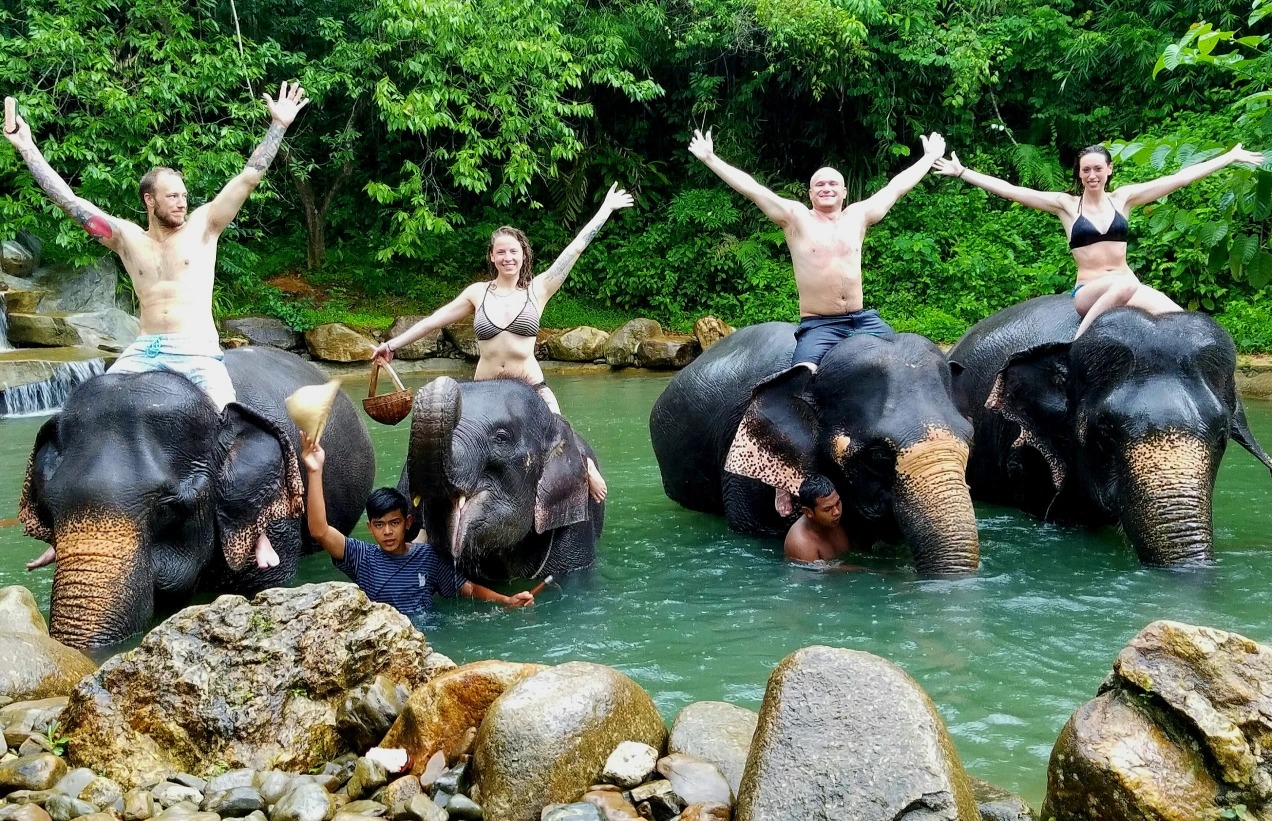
column 506, row 329
column 1105, row 281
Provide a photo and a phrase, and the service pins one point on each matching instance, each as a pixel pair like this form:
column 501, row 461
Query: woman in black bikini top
column 1104, row 281
column 505, row 344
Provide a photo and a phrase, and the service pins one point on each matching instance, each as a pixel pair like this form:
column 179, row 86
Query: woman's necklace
column 495, row 290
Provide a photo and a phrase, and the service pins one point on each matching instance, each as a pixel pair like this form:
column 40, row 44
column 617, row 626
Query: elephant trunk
column 434, row 415
column 1165, row 501
column 933, row 505
column 103, row 591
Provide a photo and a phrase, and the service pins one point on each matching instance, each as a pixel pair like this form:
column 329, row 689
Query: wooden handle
column 375, row 377
column 538, row 588
column 10, row 115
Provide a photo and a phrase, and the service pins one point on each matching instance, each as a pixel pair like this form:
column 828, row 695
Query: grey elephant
column 500, row 481
column 1126, row 424
column 876, row 418
column 147, row 493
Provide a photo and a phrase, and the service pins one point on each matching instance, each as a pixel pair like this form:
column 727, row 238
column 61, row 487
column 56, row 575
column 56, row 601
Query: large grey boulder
column 718, row 732
column 42, row 330
column 32, row 665
column 668, row 351
column 997, row 804
column 620, row 351
column 428, row 345
column 240, row 684
column 109, row 328
column 17, row 259
column 265, row 331
column 546, row 739
column 845, row 734
column 336, row 342
column 462, row 336
column 1182, row 729
column 79, row 290
column 582, row 344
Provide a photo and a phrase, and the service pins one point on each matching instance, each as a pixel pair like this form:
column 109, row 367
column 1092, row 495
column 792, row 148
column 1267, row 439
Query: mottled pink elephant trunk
column 933, row 505
column 1165, row 503
column 103, row 589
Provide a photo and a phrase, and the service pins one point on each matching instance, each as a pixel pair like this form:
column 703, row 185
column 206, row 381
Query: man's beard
column 167, row 221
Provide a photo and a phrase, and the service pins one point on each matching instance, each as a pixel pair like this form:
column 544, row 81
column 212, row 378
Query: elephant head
column 878, row 420
column 495, row 475
column 1133, row 418
column 137, row 483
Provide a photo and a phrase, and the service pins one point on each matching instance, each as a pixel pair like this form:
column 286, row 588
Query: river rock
column 630, row 764
column 997, row 804
column 78, row 290
column 546, row 738
column 371, row 809
column 228, row 780
column 1187, row 699
column 438, row 714
column 263, row 330
column 109, row 328
column 694, row 780
column 428, row 345
column 422, row 808
column 706, row 812
column 846, row 734
column 74, row 782
column 399, row 790
column 612, row 805
column 24, row 812
column 169, row 794
column 708, row 331
column 582, row 344
column 21, row 718
column 667, row 351
column 464, row 338
column 43, row 331
column 620, row 351
column 336, row 342
column 463, row 808
column 718, row 732
column 22, row 300
column 236, row 802
column 35, row 666
column 368, row 776
column 16, row 259
column 64, row 808
column 139, row 805
column 572, row 812
column 260, row 683
column 31, row 772
column 19, row 613
column 370, row 710
column 103, row 792
column 307, row 802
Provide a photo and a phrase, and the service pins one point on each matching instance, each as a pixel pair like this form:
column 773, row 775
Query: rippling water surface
column 692, row 611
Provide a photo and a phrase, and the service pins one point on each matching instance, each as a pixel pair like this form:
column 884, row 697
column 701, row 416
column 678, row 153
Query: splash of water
column 4, row 326
column 48, row 396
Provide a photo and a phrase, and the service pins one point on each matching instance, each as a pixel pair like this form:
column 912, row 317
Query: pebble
column 104, row 792
column 64, row 808
column 694, row 780
column 32, row 772
column 705, row 812
column 572, row 812
column 435, row 767
column 34, row 744
column 399, row 790
column 462, row 808
column 28, row 796
column 630, row 764
column 230, row 779
column 25, row 812
column 307, row 802
column 612, row 805
column 235, row 802
column 74, row 782
column 191, row 781
column 99, row 816
column 273, row 785
column 368, row 776
column 169, row 793
column 139, row 805
column 368, row 808
column 453, row 780
column 422, row 808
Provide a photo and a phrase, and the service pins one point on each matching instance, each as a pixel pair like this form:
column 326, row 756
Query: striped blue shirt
column 407, row 582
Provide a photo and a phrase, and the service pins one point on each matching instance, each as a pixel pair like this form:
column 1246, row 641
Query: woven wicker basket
column 390, row 408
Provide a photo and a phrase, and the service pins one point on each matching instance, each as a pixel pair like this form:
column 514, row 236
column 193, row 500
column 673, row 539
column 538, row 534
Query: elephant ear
column 417, row 513
column 958, row 391
column 561, row 496
column 258, row 482
column 1241, row 432
column 1032, row 390
column 37, row 521
column 776, row 441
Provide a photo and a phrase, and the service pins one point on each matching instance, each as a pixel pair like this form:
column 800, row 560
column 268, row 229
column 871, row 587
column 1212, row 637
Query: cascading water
column 48, row 396
column 4, row 325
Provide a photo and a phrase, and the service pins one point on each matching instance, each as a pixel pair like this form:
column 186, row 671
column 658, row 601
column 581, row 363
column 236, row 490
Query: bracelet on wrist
column 960, row 173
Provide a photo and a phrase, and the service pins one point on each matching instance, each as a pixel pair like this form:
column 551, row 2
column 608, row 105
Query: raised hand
column 289, row 103
column 21, row 135
column 1240, row 154
column 701, row 146
column 312, row 454
column 383, row 354
column 933, row 144
column 617, row 198
column 949, row 168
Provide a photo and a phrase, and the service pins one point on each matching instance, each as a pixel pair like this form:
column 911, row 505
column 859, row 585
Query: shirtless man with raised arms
column 172, row 261
column 825, row 243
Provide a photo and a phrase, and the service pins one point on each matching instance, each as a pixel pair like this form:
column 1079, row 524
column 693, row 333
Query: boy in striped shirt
column 392, row 571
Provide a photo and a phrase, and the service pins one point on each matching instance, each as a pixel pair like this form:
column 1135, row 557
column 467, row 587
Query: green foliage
column 1250, row 324
column 57, row 741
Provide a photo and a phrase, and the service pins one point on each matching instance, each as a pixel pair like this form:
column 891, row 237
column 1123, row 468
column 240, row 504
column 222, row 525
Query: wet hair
column 384, row 501
column 1090, row 149
column 147, row 184
column 813, row 488
column 527, row 261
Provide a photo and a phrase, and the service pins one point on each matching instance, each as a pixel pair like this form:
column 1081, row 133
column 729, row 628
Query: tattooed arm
column 105, row 228
column 221, row 210
column 550, row 281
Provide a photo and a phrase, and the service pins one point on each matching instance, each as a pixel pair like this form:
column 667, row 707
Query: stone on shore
column 545, row 740
column 31, row 772
column 427, row 346
column 464, row 338
column 17, row 259
column 22, row 718
column 581, row 811
column 718, row 732
column 265, row 331
column 437, row 715
column 612, row 805
column 307, row 802
column 667, row 351
column 19, row 613
column 239, row 684
column 336, row 342
column 630, row 764
column 370, row 710
column 24, row 812
column 620, row 351
column 32, row 665
column 1181, row 729
column 846, row 734
column 708, row 331
column 582, row 344
column 997, row 804
column 694, row 780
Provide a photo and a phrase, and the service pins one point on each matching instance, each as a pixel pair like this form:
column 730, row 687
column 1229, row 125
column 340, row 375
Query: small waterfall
column 48, row 396
column 4, row 325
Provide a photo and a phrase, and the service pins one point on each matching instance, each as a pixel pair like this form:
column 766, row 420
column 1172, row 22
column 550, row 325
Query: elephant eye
column 501, row 437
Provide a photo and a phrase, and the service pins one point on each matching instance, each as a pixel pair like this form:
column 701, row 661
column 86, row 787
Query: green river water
column 693, row 611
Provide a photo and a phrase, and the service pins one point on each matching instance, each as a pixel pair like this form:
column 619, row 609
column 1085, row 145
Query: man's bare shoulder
column 800, row 544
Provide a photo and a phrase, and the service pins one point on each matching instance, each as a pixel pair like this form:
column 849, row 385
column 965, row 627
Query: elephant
column 876, row 418
column 1125, row 424
column 498, row 481
column 147, row 493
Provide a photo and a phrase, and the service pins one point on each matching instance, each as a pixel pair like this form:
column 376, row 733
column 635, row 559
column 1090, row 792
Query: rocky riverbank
column 314, row 704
